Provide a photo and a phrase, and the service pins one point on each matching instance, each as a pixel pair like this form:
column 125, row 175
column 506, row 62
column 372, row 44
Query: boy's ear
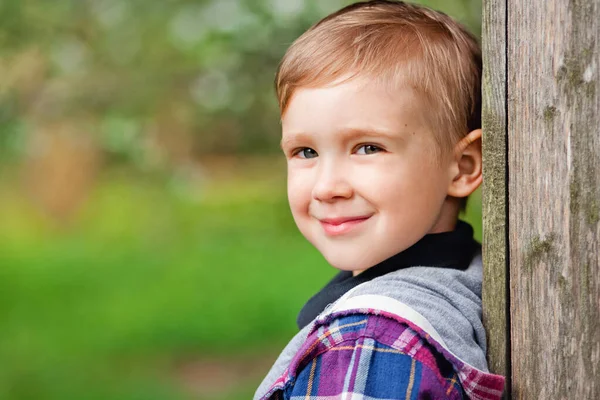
column 468, row 164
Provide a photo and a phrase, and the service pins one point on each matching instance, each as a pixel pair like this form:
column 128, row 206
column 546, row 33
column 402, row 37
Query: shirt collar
column 454, row 249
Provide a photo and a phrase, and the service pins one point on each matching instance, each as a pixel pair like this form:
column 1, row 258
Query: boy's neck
column 448, row 216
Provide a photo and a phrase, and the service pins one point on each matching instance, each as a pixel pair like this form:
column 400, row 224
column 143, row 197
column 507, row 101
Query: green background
column 146, row 245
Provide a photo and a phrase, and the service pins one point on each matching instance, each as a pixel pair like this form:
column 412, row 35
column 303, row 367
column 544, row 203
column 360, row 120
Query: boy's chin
column 347, row 261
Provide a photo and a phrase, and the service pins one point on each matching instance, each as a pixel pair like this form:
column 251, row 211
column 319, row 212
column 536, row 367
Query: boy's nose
column 331, row 183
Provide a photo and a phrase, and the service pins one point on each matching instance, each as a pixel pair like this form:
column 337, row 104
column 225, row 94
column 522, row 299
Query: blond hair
column 398, row 43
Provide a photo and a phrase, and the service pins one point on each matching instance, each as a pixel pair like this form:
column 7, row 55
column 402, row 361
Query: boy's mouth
column 341, row 225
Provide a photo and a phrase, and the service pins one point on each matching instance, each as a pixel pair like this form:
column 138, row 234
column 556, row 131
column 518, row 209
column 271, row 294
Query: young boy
column 380, row 109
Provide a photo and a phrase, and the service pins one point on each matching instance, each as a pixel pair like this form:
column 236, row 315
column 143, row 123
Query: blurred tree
column 127, row 59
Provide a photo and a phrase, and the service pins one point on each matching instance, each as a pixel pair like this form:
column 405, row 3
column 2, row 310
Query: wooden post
column 552, row 97
column 494, row 204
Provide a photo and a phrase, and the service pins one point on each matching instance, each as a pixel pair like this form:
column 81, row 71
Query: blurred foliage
column 159, row 81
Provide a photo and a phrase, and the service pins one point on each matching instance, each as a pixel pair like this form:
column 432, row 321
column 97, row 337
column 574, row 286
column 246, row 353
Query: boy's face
column 364, row 182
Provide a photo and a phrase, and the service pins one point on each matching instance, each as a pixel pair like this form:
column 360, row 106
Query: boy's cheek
column 299, row 181
column 299, row 195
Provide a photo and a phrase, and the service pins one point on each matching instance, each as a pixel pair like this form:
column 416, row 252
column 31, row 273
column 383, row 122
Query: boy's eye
column 306, row 152
column 368, row 149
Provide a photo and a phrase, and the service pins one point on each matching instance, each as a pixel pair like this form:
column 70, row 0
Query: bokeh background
column 146, row 247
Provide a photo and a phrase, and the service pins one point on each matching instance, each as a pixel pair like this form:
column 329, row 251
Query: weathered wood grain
column 554, row 197
column 495, row 289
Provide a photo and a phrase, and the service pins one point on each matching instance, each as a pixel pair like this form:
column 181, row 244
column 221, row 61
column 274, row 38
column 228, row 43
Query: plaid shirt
column 374, row 355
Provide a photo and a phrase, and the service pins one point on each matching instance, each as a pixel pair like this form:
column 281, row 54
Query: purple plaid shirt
column 374, row 355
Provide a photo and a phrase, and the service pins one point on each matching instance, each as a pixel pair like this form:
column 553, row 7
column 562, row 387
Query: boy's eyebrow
column 291, row 138
column 373, row 131
column 348, row 134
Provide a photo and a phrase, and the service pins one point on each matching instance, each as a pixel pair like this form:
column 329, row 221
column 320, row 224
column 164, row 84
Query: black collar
column 453, row 249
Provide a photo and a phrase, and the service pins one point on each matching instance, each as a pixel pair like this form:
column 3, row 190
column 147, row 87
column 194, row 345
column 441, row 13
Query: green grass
column 144, row 279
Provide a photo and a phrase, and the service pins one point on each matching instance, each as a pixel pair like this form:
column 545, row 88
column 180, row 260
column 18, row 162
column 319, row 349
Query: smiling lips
column 340, row 226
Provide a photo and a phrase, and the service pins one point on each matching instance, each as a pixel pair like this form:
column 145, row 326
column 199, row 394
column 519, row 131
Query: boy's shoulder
column 369, row 337
column 447, row 301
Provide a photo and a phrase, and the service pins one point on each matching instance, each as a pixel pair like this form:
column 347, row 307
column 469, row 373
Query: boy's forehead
column 354, row 105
